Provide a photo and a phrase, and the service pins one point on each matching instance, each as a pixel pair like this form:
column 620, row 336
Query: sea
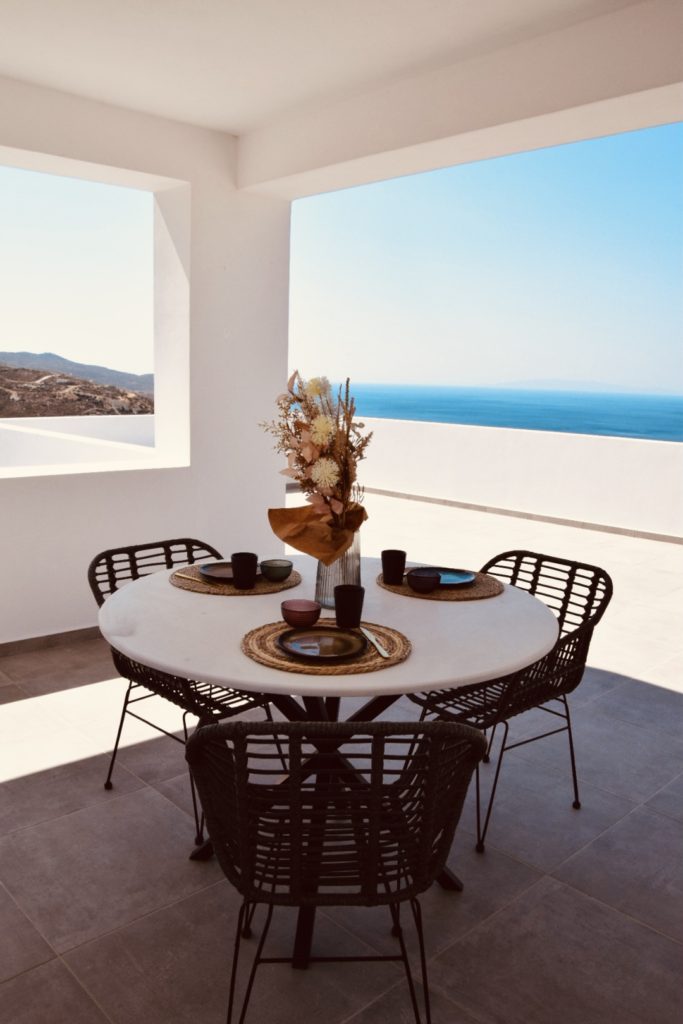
column 653, row 417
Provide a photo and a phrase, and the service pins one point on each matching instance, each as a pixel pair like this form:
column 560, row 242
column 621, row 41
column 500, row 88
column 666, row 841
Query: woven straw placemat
column 261, row 645
column 483, row 586
column 189, row 578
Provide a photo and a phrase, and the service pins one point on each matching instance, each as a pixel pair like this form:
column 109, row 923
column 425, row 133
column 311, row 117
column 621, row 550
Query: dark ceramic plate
column 220, row 572
column 322, row 644
column 455, row 577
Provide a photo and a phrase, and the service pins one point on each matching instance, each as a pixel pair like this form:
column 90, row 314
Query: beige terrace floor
column 570, row 916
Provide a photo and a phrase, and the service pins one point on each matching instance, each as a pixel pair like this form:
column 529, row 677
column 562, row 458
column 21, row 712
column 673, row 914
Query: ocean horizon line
column 547, row 388
column 640, row 415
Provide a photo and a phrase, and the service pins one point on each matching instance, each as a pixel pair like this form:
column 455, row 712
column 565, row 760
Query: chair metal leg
column 478, row 795
column 198, row 818
column 235, row 960
column 248, row 918
column 108, row 784
column 278, row 745
column 257, row 961
column 481, row 833
column 449, row 881
column 417, row 917
column 487, row 756
column 303, row 938
column 398, row 931
column 577, row 803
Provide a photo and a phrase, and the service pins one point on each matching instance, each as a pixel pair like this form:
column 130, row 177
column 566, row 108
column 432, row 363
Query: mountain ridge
column 142, row 383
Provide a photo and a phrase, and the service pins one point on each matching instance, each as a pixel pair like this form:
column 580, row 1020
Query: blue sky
column 562, row 264
column 76, row 270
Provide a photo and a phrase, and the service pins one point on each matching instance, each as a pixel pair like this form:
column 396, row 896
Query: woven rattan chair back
column 114, row 568
column 364, row 814
column 576, row 592
column 314, row 814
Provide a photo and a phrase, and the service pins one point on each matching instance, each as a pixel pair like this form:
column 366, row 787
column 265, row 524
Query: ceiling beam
column 617, row 72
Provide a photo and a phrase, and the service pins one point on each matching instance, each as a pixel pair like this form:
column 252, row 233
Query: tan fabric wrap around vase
column 304, row 530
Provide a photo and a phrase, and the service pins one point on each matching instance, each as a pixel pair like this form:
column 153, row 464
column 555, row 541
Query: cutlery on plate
column 374, row 641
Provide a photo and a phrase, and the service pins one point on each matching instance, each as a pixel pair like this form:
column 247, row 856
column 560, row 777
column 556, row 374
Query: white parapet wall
column 613, row 482
column 124, row 429
column 44, row 446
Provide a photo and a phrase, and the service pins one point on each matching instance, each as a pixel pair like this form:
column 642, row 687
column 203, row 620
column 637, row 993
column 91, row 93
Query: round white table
column 454, row 643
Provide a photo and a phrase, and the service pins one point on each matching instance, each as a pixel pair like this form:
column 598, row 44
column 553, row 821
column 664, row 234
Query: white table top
column 198, row 636
column 454, row 642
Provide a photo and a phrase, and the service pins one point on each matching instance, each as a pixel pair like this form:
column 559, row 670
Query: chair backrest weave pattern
column 576, row 592
column 112, row 569
column 363, row 814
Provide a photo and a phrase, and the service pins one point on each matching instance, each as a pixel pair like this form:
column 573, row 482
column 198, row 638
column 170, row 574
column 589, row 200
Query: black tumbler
column 244, row 566
column 393, row 567
column 348, row 605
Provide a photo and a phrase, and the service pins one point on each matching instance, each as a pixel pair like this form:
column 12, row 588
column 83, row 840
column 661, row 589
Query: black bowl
column 423, row 580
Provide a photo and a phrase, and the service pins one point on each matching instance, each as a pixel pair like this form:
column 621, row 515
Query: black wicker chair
column 578, row 594
column 364, row 815
column 111, row 570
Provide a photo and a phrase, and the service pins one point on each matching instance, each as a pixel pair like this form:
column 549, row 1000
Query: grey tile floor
column 570, row 917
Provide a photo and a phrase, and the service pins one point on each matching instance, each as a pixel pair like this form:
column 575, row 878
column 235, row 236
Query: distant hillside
column 143, row 383
column 25, row 392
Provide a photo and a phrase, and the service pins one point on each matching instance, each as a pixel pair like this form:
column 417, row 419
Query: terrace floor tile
column 41, row 796
column 644, row 704
column 669, row 799
column 394, row 1007
column 631, row 761
column 48, row 995
column 21, row 945
column 61, row 666
column 556, row 955
column 85, row 873
column 183, row 954
column 533, row 818
column 636, row 866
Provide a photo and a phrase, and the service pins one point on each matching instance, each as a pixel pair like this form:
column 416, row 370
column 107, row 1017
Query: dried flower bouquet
column 316, row 431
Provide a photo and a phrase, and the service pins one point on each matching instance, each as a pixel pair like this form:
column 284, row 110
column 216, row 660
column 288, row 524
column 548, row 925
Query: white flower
column 325, row 473
column 317, row 386
column 322, row 430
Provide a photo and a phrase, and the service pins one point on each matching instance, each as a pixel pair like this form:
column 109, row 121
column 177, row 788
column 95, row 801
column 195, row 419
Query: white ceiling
column 236, row 64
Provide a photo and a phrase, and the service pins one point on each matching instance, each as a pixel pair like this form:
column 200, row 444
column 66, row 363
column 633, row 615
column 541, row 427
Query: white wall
column 50, row 527
column 609, row 481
